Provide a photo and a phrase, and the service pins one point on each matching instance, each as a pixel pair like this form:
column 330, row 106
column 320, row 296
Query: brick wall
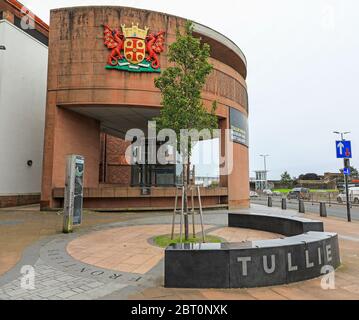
column 19, row 200
column 113, row 167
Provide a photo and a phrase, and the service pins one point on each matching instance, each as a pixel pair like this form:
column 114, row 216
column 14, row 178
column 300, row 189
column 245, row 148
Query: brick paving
column 34, row 225
column 128, row 249
column 52, row 284
column 28, row 237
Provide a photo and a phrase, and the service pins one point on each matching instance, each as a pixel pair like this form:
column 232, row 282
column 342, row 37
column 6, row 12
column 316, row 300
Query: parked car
column 353, row 196
column 268, row 192
column 299, row 194
column 277, row 193
column 253, row 194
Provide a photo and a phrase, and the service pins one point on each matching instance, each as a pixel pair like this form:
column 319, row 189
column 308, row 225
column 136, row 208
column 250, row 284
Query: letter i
column 320, row 256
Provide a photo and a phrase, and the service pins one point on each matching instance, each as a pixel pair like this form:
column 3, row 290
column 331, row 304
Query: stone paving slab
column 52, row 283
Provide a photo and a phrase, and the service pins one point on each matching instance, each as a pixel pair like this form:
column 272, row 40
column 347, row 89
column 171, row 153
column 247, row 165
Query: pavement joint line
column 348, row 238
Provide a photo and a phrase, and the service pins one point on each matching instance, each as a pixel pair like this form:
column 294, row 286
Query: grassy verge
column 285, row 191
column 282, row 190
column 165, row 240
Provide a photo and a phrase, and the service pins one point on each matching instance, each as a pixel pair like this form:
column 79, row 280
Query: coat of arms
column 133, row 49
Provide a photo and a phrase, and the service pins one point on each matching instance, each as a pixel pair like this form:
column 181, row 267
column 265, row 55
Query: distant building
column 260, row 181
column 328, row 181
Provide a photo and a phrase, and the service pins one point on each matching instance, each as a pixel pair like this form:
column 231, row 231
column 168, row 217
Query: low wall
column 130, row 198
column 262, row 263
column 277, row 224
column 7, row 201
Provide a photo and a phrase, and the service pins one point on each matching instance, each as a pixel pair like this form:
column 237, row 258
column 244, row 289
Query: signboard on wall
column 73, row 192
column 239, row 127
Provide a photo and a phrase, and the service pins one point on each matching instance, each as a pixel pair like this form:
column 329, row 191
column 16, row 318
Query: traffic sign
column 346, row 171
column 344, row 149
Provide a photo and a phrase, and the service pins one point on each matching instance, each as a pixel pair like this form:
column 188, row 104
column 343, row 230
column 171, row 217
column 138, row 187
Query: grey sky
column 302, row 71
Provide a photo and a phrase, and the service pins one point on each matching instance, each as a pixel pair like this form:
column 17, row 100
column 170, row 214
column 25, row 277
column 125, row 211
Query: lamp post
column 346, row 179
column 342, row 134
column 265, row 169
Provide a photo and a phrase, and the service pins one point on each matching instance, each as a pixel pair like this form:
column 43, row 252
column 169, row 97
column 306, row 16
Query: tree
column 286, row 179
column 181, row 85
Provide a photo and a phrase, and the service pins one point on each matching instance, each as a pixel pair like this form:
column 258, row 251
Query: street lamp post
column 265, row 169
column 342, row 134
column 346, row 179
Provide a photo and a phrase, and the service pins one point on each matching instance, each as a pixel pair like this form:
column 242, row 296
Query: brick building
column 90, row 107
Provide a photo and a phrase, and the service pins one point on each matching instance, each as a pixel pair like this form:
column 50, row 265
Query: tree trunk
column 185, row 209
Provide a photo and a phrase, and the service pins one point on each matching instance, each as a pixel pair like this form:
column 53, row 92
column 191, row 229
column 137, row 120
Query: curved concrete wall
column 308, row 253
column 78, row 57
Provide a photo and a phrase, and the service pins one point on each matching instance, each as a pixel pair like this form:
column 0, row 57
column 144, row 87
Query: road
column 334, row 210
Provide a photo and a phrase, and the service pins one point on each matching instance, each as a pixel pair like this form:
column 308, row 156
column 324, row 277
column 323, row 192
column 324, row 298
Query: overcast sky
column 302, row 71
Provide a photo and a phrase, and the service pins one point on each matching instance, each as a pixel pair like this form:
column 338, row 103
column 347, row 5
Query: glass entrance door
column 153, row 175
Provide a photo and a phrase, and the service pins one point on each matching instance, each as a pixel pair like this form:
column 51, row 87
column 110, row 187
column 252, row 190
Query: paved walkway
column 112, row 257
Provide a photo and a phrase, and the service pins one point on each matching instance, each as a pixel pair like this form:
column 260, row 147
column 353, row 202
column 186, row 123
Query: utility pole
column 265, row 169
column 346, row 177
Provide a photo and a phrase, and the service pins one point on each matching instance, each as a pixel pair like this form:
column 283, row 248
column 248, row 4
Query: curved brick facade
column 79, row 84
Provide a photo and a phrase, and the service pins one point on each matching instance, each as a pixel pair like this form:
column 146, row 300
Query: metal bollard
column 270, row 202
column 323, row 210
column 330, row 199
column 301, row 206
column 284, row 204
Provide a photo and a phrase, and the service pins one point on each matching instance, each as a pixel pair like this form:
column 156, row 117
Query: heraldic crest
column 133, row 49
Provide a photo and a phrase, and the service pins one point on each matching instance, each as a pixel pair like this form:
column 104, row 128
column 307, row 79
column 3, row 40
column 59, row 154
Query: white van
column 353, row 195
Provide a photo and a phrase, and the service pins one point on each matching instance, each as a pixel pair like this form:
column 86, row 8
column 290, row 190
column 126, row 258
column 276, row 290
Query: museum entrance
column 115, row 170
column 113, row 182
column 153, row 175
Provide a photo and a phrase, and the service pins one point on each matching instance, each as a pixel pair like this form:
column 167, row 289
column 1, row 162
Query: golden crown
column 134, row 31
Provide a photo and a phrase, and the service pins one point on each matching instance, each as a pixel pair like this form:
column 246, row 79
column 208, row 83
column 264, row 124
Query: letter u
column 271, row 269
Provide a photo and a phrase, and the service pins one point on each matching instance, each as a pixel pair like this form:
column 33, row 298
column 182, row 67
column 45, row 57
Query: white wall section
column 23, row 81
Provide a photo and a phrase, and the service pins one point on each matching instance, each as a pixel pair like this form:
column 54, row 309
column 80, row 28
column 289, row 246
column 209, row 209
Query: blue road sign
column 346, row 171
column 344, row 149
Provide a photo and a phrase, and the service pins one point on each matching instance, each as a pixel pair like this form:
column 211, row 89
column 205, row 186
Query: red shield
column 135, row 50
